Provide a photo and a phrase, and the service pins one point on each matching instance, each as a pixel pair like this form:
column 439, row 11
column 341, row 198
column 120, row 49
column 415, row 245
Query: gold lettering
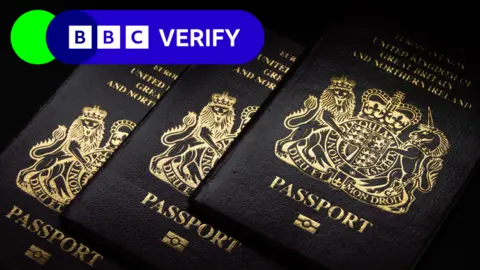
column 399, row 73
column 56, row 235
column 149, row 198
column 364, row 225
column 245, row 73
column 333, row 212
column 277, row 181
column 300, row 195
column 266, row 83
column 310, row 202
column 148, row 90
column 322, row 204
column 193, row 221
column 232, row 244
column 15, row 211
column 96, row 256
column 390, row 47
column 117, row 86
column 362, row 56
column 159, row 207
column 165, row 72
column 171, row 212
column 182, row 217
column 148, row 78
column 50, row 234
column 272, row 63
column 203, row 230
column 410, row 42
column 288, row 190
column 259, row 79
column 423, row 74
column 414, row 69
column 138, row 97
column 81, row 252
column 46, row 230
column 288, row 56
column 210, row 232
column 219, row 238
column 23, row 220
column 36, row 225
column 72, row 246
column 446, row 59
column 272, row 74
column 395, row 60
column 350, row 219
column 148, row 86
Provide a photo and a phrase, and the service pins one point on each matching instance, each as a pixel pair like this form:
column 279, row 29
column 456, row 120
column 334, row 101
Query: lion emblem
column 309, row 124
column 70, row 152
column 194, row 146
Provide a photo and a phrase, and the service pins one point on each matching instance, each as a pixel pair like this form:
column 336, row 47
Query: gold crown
column 389, row 112
column 224, row 99
column 94, row 113
column 341, row 83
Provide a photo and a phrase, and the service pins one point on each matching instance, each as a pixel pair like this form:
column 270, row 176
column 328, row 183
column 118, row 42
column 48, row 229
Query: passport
column 356, row 162
column 138, row 202
column 58, row 153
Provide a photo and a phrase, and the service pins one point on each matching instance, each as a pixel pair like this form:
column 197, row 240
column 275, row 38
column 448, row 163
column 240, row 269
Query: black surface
column 238, row 187
column 27, row 87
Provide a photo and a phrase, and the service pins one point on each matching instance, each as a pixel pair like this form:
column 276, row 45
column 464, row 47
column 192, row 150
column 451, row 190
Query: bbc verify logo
column 137, row 37
column 108, row 37
column 155, row 37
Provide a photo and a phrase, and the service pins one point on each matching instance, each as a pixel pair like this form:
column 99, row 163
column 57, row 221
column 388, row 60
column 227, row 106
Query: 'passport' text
column 314, row 201
column 189, row 222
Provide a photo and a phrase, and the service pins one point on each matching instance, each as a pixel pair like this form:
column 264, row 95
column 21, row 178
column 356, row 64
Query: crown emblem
column 94, row 113
column 390, row 112
column 223, row 99
column 341, row 83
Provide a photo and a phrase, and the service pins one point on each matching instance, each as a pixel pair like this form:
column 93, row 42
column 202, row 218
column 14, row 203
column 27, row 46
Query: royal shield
column 365, row 155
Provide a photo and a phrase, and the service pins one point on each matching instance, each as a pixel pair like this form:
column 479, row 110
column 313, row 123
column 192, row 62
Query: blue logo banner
column 155, row 37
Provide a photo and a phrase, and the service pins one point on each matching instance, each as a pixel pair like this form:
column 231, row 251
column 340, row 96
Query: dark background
column 25, row 88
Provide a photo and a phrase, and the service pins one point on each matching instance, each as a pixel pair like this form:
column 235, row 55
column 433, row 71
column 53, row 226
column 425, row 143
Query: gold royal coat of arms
column 64, row 163
column 363, row 155
column 194, row 146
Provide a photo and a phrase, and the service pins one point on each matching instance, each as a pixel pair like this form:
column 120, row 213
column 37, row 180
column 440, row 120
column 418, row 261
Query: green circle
column 29, row 37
